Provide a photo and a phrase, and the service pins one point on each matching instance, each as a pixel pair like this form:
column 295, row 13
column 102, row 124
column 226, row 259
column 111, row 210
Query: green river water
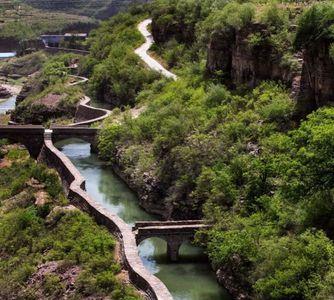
column 7, row 104
column 189, row 279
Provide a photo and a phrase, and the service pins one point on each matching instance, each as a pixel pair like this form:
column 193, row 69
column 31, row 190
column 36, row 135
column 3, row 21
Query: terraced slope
column 95, row 8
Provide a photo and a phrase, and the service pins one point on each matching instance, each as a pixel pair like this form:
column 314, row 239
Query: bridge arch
column 89, row 135
column 175, row 233
column 173, row 242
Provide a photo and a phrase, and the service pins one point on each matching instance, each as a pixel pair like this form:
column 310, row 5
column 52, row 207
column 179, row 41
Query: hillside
column 243, row 138
column 19, row 22
column 100, row 9
column 43, row 239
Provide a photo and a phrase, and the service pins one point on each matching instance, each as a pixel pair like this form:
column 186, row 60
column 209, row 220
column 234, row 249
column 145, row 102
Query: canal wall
column 74, row 185
column 87, row 115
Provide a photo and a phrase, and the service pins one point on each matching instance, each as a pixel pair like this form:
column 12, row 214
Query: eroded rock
column 58, row 212
column 317, row 80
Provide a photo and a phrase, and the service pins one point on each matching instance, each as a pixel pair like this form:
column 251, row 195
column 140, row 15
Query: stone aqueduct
column 32, row 136
column 175, row 233
column 39, row 143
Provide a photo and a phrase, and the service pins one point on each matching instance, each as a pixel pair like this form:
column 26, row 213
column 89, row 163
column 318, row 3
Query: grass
column 73, row 241
column 21, row 21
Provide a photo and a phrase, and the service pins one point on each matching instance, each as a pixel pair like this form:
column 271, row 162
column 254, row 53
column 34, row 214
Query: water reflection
column 191, row 278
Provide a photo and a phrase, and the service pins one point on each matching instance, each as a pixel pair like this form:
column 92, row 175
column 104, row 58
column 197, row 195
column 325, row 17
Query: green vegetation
column 317, row 23
column 25, row 65
column 183, row 29
column 20, row 21
column 240, row 159
column 49, row 96
column 42, row 237
column 91, row 8
column 116, row 73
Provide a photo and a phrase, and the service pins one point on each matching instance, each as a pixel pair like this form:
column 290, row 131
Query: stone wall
column 75, row 187
column 86, row 114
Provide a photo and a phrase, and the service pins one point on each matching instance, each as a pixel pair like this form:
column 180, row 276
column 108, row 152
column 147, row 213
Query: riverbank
column 114, row 195
column 44, row 238
column 12, row 88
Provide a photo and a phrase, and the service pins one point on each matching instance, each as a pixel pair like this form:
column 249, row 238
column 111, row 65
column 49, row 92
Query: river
column 7, row 54
column 189, row 279
column 7, row 104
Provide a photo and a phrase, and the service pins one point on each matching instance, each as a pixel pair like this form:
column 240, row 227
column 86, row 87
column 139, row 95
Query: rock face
column 26, row 89
column 242, row 63
column 317, row 80
column 4, row 93
column 219, row 54
column 146, row 186
column 165, row 29
column 164, row 33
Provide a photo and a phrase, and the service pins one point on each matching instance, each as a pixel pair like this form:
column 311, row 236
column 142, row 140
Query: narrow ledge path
column 142, row 51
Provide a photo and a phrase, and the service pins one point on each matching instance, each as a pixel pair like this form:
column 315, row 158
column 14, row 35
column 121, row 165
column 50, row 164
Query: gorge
column 217, row 129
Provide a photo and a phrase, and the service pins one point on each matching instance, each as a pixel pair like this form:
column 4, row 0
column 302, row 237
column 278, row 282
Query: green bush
column 27, row 242
column 316, row 23
column 117, row 74
column 274, row 16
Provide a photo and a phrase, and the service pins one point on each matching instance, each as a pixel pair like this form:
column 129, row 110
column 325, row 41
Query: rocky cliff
column 165, row 29
column 241, row 61
column 317, row 80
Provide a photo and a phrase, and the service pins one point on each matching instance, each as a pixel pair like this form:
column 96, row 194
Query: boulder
column 4, row 93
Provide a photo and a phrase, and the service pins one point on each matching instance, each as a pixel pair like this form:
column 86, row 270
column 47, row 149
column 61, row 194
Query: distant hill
column 99, row 9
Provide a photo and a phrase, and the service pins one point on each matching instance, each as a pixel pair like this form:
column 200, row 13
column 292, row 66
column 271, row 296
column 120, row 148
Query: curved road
column 142, row 51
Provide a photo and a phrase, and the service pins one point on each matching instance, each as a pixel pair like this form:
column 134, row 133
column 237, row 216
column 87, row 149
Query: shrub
column 107, row 141
column 274, row 16
column 315, row 24
column 294, row 267
column 233, row 15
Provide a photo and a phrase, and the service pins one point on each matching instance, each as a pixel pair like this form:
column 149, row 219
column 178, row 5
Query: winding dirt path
column 142, row 51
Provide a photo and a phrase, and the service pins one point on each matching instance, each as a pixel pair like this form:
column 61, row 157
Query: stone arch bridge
column 175, row 233
column 32, row 136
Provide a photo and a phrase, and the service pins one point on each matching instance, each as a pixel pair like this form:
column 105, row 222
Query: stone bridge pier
column 175, row 233
column 173, row 246
column 31, row 136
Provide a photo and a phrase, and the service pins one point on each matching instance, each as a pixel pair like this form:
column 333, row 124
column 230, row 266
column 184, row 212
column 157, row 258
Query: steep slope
column 100, row 9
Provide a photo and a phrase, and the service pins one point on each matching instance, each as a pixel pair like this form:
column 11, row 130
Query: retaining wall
column 86, row 114
column 55, row 50
column 75, row 187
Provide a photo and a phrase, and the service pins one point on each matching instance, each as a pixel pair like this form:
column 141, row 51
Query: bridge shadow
column 154, row 251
